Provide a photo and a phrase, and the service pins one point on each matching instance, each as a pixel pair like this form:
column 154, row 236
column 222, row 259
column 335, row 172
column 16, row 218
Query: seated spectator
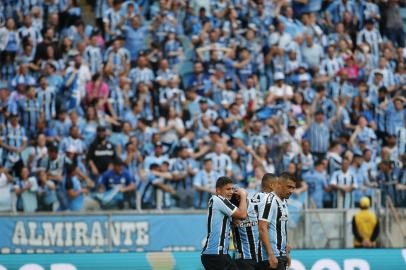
column 204, row 183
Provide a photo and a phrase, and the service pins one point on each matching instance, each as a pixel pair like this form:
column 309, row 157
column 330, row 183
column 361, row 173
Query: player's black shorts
column 282, row 264
column 218, row 262
column 246, row 264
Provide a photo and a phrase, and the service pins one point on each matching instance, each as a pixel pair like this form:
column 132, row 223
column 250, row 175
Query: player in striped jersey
column 245, row 231
column 273, row 219
column 215, row 251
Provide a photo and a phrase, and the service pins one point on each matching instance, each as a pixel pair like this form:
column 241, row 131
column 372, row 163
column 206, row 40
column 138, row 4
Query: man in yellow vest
column 365, row 226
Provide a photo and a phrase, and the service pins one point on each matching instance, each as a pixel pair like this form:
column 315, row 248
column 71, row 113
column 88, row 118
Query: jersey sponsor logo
column 103, row 153
column 247, row 223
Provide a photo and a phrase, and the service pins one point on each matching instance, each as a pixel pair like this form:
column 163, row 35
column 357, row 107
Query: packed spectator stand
column 163, row 97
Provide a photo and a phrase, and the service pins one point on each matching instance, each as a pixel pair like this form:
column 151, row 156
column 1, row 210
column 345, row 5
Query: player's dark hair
column 267, row 178
column 222, row 181
column 285, row 176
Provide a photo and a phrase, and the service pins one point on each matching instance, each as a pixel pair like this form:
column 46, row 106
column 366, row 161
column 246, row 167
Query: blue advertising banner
column 102, row 233
column 354, row 259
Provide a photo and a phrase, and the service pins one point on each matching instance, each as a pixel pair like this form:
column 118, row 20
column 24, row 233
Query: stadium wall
column 115, row 232
column 355, row 259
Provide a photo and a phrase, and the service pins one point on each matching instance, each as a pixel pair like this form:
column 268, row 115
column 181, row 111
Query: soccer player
column 245, row 231
column 273, row 225
column 215, row 251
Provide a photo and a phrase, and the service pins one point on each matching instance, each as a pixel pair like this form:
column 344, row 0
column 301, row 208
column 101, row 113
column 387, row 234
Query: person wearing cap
column 365, row 226
column 101, row 153
column 205, row 110
column 114, row 184
column 280, row 90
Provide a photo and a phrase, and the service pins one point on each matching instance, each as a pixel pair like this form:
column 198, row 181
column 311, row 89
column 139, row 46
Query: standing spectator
column 171, row 127
column 312, row 53
column 13, row 141
column 5, row 190
column 30, row 111
column 317, row 182
column 46, row 96
column 38, row 154
column 344, row 182
column 319, row 135
column 97, row 91
column 304, row 160
column 365, row 226
column 221, row 161
column 73, row 188
column 93, row 56
column 371, row 36
column 204, row 183
column 394, row 24
column 113, row 20
column 101, row 153
column 26, row 188
column 117, row 186
column 387, row 180
column 46, row 192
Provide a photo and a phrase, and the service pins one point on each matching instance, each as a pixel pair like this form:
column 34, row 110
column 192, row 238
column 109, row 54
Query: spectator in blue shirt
column 114, row 184
column 317, row 182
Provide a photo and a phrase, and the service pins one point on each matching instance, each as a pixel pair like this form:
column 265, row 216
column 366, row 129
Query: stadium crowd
column 169, row 95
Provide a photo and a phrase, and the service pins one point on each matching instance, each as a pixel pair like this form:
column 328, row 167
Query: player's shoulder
column 220, row 199
column 269, row 198
column 257, row 197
